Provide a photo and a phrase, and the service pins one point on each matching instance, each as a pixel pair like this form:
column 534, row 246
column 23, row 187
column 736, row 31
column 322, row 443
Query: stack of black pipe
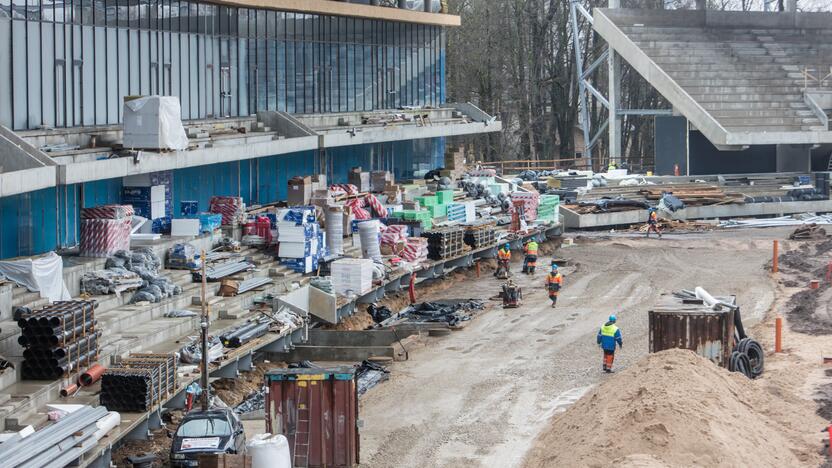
column 445, row 242
column 58, row 339
column 244, row 334
column 138, row 382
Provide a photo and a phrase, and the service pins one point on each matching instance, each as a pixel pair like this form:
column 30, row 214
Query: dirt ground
column 481, row 396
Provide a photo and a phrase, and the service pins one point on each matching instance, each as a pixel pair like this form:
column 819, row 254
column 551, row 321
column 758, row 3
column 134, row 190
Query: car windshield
column 208, row 427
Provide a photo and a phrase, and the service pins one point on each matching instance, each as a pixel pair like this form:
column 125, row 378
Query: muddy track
column 480, row 396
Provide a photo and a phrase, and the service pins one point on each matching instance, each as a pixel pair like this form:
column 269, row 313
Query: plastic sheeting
column 44, row 274
column 154, row 122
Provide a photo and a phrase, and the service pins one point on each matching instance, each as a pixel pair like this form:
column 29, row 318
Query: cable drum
column 755, row 354
column 335, row 230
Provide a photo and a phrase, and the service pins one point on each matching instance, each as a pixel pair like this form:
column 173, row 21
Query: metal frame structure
column 612, row 124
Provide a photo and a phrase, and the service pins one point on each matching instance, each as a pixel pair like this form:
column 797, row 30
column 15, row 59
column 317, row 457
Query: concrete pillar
column 614, row 97
column 791, row 6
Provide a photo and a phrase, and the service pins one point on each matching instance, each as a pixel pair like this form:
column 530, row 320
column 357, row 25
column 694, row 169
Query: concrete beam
column 409, row 132
column 337, row 353
column 330, row 7
column 367, row 338
column 28, row 180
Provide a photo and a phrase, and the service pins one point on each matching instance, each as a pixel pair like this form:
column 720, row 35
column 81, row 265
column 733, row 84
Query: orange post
column 829, row 430
column 775, row 267
column 778, row 335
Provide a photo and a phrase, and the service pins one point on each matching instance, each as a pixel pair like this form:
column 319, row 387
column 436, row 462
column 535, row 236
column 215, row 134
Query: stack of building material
column 445, row 242
column 59, row 339
column 463, row 212
column 547, row 211
column 218, row 271
column 530, row 202
column 232, row 209
column 299, row 191
column 61, row 443
column 335, row 230
column 422, row 217
column 151, row 197
column 301, row 242
column 105, row 230
column 139, row 382
column 112, row 281
column 244, row 333
column 379, row 180
column 352, row 275
column 359, row 179
column 481, row 234
column 415, row 249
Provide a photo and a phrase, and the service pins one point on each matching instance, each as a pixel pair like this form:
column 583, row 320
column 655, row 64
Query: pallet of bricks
column 446, row 242
column 481, row 233
column 139, row 382
column 59, row 339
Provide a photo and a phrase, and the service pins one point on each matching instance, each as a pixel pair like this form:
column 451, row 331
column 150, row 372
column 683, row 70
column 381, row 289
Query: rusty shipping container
column 317, row 411
column 677, row 323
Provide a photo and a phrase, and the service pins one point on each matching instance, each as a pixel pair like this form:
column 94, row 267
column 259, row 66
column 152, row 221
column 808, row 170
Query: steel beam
column 140, row 432
column 154, row 420
column 228, row 371
column 244, row 363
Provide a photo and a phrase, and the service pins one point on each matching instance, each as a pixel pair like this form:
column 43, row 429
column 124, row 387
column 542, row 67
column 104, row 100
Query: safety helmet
column 612, row 318
column 554, row 266
column 507, row 246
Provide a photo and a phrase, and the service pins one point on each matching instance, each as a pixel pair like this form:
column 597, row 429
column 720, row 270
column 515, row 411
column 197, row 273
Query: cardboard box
column 359, row 179
column 379, row 180
column 300, row 191
column 319, row 182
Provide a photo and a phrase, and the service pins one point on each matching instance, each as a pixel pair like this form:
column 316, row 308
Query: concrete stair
column 747, row 79
column 135, row 328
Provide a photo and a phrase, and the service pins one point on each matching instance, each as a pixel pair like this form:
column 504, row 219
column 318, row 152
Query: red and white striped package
column 232, row 209
column 392, row 235
column 343, row 189
column 530, row 201
column 107, row 212
column 104, row 237
column 356, row 205
column 376, row 205
column 415, row 249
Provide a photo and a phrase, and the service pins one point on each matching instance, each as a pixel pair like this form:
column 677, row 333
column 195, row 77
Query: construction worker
column 503, row 261
column 530, row 260
column 611, row 167
column 653, row 222
column 554, row 281
column 608, row 336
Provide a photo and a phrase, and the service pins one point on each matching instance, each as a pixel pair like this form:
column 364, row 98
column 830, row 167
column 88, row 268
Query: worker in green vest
column 608, row 336
column 530, row 260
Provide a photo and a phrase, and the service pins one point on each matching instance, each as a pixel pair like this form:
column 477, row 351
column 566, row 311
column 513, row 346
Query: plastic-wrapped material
column 269, row 451
column 113, row 281
column 335, row 230
column 44, row 274
column 154, row 122
column 370, row 247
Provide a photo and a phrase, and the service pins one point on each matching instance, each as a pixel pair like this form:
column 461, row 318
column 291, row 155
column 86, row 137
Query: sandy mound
column 677, row 409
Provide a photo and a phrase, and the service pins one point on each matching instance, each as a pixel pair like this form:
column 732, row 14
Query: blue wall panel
column 202, row 182
column 29, row 223
column 102, row 192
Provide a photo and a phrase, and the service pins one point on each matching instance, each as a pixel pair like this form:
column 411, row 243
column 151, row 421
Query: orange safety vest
column 503, row 254
column 553, row 283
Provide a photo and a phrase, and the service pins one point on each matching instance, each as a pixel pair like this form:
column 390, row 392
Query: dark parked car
column 204, row 432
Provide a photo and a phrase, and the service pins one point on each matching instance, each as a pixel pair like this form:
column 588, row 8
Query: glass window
column 243, row 22
column 210, row 427
column 193, row 17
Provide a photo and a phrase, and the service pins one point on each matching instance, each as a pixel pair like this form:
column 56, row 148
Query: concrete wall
column 705, row 158
column 671, row 137
column 794, row 158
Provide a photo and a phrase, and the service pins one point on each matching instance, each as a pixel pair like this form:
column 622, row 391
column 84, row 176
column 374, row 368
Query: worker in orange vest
column 503, row 262
column 554, row 281
column 653, row 223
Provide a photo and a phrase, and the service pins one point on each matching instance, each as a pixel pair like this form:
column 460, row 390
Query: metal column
column 614, row 98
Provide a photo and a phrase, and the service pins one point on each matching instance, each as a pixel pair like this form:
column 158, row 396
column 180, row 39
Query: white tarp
column 44, row 274
column 154, row 122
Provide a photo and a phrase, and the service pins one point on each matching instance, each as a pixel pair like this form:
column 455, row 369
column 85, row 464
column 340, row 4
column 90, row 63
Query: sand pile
column 675, row 408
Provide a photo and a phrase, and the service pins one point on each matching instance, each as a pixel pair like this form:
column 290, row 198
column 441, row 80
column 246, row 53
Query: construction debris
column 450, row 312
column 808, row 232
column 368, row 374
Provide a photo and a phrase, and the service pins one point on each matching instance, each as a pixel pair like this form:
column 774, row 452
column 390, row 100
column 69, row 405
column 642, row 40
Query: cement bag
column 269, row 451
